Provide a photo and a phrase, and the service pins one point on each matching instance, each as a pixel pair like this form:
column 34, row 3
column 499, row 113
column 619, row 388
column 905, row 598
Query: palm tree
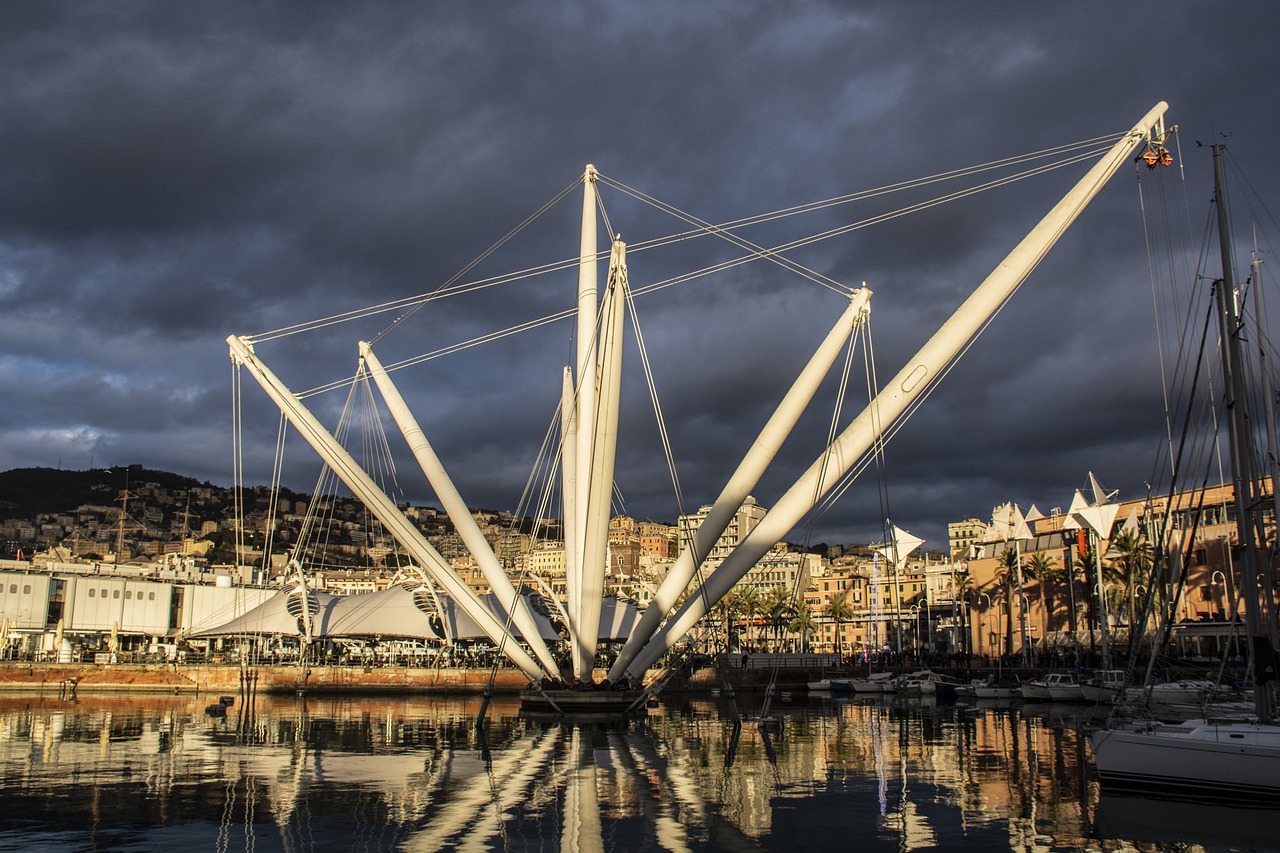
column 728, row 612
column 1043, row 569
column 1006, row 576
column 1130, row 562
column 748, row 605
column 1086, row 570
column 960, row 583
column 779, row 610
column 839, row 610
column 804, row 625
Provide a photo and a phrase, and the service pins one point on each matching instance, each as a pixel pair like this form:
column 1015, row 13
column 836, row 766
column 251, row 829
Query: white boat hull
column 1105, row 694
column 1066, row 693
column 830, row 685
column 1035, row 692
column 1229, row 761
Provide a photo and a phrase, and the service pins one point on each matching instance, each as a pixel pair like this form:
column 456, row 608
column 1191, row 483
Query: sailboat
column 1202, row 758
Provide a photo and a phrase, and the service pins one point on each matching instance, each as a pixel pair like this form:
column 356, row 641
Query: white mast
column 889, row 405
column 456, row 508
column 584, row 407
column 604, row 453
column 350, row 472
column 745, row 478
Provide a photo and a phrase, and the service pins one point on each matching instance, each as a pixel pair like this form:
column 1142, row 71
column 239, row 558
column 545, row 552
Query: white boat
column 830, row 685
column 1035, row 690
column 1063, row 687
column 1184, row 691
column 918, row 684
column 1002, row 689
column 1230, row 761
column 1052, row 687
column 873, row 683
column 1105, row 686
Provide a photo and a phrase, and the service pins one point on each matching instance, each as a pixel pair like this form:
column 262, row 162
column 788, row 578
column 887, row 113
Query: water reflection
column 419, row 775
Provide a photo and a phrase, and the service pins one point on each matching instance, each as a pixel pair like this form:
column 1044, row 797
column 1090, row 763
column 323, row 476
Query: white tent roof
column 392, row 612
column 398, row 612
column 273, row 617
column 618, row 618
column 463, row 627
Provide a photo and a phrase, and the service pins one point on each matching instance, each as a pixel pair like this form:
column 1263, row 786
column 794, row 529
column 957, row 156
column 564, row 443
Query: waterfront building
column 963, row 535
column 1202, row 526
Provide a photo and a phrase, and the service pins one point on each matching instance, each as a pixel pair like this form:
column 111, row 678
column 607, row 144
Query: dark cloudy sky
column 172, row 174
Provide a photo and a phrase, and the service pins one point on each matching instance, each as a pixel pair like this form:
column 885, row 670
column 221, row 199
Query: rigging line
column 455, row 289
column 448, row 288
column 1254, row 200
column 382, row 308
column 533, row 217
column 722, row 266
column 1095, row 146
column 885, row 434
column 833, row 428
column 837, row 409
column 378, row 450
column 237, row 458
column 664, row 436
column 1155, row 306
column 709, row 270
column 449, row 350
column 922, row 205
column 724, row 233
column 823, row 235
column 277, row 474
column 543, row 466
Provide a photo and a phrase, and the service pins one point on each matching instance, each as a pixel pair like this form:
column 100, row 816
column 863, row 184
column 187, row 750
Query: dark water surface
column 157, row 773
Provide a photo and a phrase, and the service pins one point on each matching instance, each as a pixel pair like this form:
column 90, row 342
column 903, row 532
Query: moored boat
column 1105, row 686
column 830, row 685
column 999, row 689
column 873, row 683
column 1063, row 687
column 1228, row 761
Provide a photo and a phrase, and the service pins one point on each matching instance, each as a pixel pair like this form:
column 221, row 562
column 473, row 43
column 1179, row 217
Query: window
column 13, row 587
column 91, row 592
column 128, row 594
column 151, row 596
column 26, row 589
column 103, row 592
column 115, row 593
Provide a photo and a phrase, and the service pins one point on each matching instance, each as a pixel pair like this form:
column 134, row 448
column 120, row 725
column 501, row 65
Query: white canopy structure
column 589, row 407
column 396, row 611
column 399, row 611
column 279, row 615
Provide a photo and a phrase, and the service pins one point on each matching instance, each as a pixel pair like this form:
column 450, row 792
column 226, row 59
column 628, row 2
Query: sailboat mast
column 1263, row 343
column 1240, row 435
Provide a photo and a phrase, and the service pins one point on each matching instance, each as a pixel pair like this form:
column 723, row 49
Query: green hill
column 25, row 492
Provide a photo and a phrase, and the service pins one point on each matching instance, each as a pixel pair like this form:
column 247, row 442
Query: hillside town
column 1000, row 591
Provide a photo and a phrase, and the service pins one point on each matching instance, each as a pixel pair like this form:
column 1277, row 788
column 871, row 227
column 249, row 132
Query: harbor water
column 155, row 773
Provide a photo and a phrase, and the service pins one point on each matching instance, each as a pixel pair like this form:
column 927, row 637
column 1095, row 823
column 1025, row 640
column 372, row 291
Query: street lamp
column 1219, row 578
column 915, row 613
column 982, row 617
column 1024, row 604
